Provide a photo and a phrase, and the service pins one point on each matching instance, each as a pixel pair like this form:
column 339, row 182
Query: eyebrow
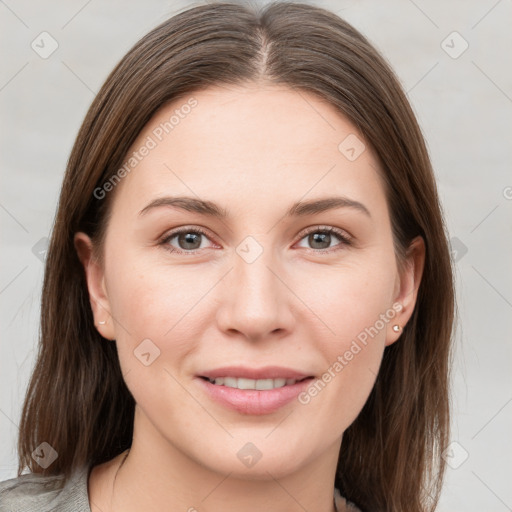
column 298, row 209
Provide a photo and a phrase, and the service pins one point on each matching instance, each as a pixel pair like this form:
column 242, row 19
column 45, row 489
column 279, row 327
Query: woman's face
column 262, row 293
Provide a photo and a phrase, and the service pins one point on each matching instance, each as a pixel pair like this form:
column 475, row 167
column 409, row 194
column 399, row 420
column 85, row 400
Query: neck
column 156, row 475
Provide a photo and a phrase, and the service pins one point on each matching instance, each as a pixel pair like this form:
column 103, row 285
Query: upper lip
column 267, row 372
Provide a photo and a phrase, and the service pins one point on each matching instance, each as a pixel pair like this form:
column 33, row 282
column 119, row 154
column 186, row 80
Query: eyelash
column 345, row 239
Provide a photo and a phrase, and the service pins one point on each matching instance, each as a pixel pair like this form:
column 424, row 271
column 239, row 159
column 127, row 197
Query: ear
column 95, row 278
column 406, row 288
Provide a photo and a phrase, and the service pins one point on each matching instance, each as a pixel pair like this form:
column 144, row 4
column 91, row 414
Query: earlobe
column 95, row 280
column 408, row 283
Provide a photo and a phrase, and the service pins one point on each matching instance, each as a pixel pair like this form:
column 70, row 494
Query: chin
column 260, row 459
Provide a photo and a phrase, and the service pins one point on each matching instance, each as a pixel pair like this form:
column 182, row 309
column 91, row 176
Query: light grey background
column 464, row 106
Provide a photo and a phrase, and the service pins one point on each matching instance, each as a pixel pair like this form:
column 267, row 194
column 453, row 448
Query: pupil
column 189, row 239
column 323, row 238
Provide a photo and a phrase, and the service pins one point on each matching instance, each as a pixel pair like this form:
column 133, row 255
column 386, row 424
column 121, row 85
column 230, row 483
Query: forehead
column 249, row 143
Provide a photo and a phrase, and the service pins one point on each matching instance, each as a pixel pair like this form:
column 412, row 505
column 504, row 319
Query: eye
column 320, row 237
column 188, row 240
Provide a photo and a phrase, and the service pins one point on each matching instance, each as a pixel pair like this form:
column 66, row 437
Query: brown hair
column 77, row 401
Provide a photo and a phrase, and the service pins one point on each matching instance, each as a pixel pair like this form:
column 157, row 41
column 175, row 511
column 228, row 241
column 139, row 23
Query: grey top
column 36, row 493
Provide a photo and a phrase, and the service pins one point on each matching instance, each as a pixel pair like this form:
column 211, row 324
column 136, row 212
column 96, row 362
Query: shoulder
column 342, row 505
column 37, row 493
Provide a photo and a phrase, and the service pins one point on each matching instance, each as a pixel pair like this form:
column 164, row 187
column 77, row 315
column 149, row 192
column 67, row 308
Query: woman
column 248, row 297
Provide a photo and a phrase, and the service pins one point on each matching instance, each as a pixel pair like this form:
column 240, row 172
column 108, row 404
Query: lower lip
column 252, row 401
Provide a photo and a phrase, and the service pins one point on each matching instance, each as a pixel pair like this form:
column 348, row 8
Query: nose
column 256, row 301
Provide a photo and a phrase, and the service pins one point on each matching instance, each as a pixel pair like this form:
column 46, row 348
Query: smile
column 253, row 391
column 258, row 384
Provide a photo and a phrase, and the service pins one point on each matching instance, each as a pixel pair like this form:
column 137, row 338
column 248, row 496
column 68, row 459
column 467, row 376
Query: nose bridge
column 256, row 286
column 254, row 300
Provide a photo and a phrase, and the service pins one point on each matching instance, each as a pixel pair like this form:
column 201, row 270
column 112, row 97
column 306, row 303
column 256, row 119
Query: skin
column 254, row 150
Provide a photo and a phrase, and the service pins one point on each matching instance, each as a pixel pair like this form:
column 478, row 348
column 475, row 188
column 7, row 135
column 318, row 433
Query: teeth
column 263, row 384
column 259, row 384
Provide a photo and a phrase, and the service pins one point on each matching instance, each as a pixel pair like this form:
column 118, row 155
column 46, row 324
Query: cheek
column 163, row 315
column 354, row 306
column 155, row 339
column 349, row 298
column 160, row 312
column 151, row 300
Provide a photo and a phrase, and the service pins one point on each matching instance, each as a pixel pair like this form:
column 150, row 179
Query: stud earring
column 396, row 328
column 103, row 322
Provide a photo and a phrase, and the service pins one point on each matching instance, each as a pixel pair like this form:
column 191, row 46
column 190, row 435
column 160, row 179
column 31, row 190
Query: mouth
column 257, row 384
column 253, row 391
